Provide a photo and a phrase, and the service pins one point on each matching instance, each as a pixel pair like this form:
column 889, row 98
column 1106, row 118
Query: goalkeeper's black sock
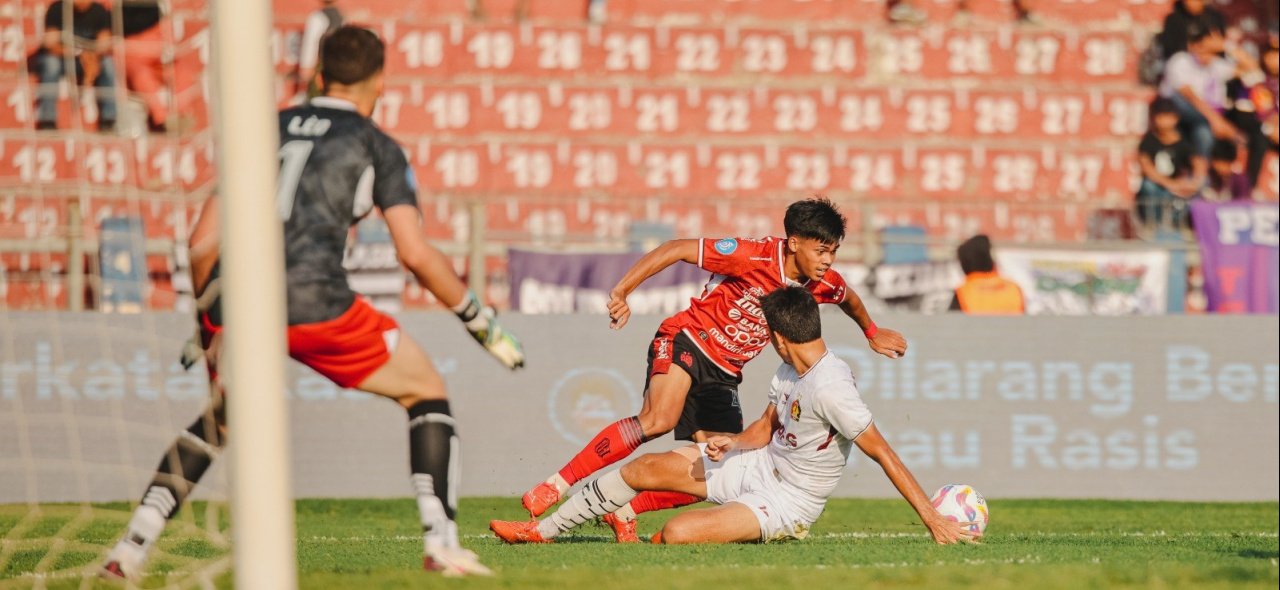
column 433, row 461
column 180, row 469
column 183, row 465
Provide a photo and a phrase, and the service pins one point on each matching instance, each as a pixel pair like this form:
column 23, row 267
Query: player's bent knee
column 416, row 396
column 420, row 388
column 656, row 424
column 676, row 532
column 642, row 473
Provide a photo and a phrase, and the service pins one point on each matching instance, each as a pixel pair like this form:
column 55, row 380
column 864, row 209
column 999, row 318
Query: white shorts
column 747, row 477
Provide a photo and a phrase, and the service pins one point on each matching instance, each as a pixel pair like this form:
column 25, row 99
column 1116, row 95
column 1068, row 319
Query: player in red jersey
column 696, row 358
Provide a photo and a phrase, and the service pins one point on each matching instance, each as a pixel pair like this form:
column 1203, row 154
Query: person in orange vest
column 984, row 291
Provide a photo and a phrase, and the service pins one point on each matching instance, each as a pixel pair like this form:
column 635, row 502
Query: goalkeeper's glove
column 484, row 327
column 192, row 352
column 192, row 349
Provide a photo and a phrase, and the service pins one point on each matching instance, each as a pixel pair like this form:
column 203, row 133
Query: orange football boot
column 624, row 531
column 517, row 531
column 540, row 498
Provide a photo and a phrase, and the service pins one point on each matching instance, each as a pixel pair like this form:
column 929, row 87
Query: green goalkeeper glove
column 481, row 322
column 193, row 349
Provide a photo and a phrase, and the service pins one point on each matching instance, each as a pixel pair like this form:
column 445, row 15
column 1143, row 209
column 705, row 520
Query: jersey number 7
column 293, row 159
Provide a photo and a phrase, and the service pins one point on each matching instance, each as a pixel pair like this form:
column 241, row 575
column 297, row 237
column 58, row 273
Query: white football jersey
column 820, row 413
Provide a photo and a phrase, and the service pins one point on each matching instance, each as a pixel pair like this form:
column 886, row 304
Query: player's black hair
column 792, row 312
column 816, row 218
column 1224, row 151
column 1162, row 105
column 975, row 255
column 350, row 55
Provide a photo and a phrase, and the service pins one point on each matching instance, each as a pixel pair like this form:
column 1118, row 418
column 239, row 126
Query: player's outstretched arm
column 888, row 342
column 432, row 270
column 202, row 246
column 650, row 264
column 754, row 436
column 875, row 446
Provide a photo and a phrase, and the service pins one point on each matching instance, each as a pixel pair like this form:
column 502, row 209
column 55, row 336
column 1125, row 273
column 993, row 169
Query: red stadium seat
column 706, row 114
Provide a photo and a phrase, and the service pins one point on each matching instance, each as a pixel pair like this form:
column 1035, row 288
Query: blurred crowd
column 86, row 50
column 1215, row 118
column 1211, row 126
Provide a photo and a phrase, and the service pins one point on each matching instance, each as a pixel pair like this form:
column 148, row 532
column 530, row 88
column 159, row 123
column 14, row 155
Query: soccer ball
column 962, row 503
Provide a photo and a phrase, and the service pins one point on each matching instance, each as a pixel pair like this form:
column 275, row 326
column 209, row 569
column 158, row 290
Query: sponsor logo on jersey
column 795, row 409
column 584, row 401
column 727, row 246
column 745, row 333
column 662, row 348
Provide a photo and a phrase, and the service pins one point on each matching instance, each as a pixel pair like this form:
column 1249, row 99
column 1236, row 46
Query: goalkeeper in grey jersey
column 335, row 167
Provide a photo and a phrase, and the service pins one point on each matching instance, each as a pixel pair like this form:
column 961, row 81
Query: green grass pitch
column 1039, row 544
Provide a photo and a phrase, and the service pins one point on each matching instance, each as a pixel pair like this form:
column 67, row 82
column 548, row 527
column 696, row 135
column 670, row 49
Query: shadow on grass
column 585, row 539
column 1259, row 554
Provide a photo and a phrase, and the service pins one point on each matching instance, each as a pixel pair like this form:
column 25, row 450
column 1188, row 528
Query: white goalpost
column 252, row 360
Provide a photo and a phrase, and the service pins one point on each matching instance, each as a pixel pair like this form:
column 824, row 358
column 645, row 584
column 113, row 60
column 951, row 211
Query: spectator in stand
column 1266, row 97
column 1174, row 36
column 984, row 291
column 904, row 12
column 144, row 58
column 320, row 23
column 1257, row 109
column 1172, row 172
column 597, row 11
column 1196, row 81
column 1244, row 110
column 1226, row 183
column 91, row 48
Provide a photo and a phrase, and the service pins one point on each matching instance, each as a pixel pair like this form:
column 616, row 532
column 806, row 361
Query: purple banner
column 1238, row 245
column 555, row 282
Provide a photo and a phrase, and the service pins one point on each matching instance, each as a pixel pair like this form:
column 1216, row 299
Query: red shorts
column 346, row 349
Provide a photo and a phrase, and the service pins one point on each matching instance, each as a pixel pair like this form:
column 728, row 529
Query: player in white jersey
column 771, row 481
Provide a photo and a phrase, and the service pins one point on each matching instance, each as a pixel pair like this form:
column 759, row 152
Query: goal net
column 95, row 297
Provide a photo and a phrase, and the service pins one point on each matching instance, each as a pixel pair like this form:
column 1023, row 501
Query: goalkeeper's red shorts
column 346, row 349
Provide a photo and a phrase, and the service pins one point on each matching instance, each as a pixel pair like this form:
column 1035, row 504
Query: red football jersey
column 726, row 322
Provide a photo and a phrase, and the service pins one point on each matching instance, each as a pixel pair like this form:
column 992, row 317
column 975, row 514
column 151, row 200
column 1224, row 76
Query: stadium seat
column 708, row 115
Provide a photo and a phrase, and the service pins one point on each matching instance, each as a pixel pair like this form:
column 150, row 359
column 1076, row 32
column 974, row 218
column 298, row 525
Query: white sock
column 561, row 485
column 438, row 531
column 144, row 528
column 606, row 494
column 626, row 513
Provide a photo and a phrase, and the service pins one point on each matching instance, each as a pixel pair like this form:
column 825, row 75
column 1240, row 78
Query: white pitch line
column 864, row 535
column 1054, row 534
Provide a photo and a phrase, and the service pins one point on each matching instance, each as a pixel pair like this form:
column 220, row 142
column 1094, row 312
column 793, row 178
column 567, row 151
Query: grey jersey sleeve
column 393, row 179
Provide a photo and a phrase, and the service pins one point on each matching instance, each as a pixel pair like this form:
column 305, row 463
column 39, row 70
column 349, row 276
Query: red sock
column 650, row 501
column 615, row 442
